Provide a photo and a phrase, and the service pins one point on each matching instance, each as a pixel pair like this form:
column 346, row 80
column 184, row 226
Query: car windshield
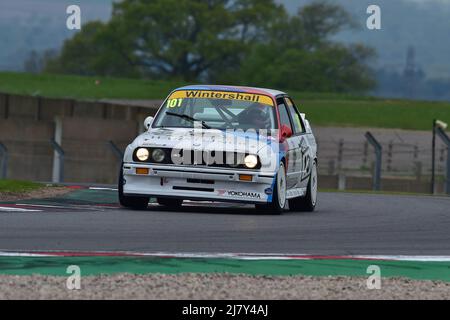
column 217, row 110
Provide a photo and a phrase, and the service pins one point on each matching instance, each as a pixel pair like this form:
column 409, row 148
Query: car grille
column 217, row 159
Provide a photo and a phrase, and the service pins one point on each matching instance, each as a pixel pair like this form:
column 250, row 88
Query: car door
column 303, row 156
column 293, row 146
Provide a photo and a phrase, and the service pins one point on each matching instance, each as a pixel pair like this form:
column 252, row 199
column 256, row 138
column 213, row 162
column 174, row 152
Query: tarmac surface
column 343, row 224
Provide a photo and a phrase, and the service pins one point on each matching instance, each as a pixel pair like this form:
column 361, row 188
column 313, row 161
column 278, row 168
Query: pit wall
column 27, row 124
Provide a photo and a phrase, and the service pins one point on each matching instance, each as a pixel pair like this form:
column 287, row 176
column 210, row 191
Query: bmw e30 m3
column 223, row 143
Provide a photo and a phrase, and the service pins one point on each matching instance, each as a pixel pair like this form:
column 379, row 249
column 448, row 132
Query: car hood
column 205, row 139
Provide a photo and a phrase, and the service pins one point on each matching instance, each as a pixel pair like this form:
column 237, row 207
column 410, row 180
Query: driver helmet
column 257, row 117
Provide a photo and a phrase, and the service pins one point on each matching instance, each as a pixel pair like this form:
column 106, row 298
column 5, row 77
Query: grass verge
column 15, row 186
column 68, row 86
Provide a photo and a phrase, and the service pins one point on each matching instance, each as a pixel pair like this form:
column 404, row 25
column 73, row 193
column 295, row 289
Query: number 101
column 174, row 103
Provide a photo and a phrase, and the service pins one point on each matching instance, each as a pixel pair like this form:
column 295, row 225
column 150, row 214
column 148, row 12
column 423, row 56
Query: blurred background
column 413, row 42
column 129, row 54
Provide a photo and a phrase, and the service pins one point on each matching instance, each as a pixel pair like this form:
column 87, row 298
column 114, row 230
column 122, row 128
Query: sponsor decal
column 239, row 194
column 268, row 191
column 177, row 97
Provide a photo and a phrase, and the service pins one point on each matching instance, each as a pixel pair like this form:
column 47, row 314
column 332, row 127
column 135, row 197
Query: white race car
column 223, row 143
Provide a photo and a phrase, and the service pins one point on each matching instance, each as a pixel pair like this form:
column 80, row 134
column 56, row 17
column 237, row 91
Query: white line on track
column 21, row 254
column 71, row 207
column 238, row 256
column 407, row 258
column 13, row 209
column 41, row 205
column 102, row 189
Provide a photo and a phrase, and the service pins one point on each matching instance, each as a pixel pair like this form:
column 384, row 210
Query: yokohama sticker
column 240, row 194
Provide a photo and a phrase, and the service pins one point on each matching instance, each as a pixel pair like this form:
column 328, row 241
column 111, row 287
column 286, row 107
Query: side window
column 298, row 123
column 284, row 115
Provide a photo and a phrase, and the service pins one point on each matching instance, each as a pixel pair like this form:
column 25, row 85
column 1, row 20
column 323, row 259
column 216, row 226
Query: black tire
column 305, row 203
column 273, row 207
column 170, row 203
column 135, row 203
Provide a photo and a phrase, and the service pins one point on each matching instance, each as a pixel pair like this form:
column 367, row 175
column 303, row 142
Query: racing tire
column 134, row 203
column 308, row 202
column 170, row 203
column 276, row 207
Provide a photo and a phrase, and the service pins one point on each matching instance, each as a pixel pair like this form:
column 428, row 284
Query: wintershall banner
column 205, row 94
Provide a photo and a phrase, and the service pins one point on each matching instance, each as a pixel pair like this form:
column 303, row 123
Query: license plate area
column 200, row 181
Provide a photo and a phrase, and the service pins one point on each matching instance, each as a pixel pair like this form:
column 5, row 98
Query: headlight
column 158, row 155
column 251, row 161
column 142, row 154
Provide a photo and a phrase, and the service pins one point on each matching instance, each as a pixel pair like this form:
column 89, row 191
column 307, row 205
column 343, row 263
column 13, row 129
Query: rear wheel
column 279, row 195
column 170, row 203
column 309, row 201
column 135, row 203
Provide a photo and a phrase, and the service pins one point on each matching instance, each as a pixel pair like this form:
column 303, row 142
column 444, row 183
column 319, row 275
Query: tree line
column 243, row 42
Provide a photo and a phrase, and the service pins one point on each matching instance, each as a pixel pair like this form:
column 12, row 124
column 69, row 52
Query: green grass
column 63, row 86
column 377, row 113
column 323, row 109
column 14, row 186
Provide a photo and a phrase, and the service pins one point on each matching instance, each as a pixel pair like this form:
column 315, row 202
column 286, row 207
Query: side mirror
column 285, row 132
column 148, row 122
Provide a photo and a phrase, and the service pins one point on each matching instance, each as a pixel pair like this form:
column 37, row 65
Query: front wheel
column 309, row 201
column 135, row 203
column 279, row 195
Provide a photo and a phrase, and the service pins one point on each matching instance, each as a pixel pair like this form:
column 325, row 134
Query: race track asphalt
column 344, row 223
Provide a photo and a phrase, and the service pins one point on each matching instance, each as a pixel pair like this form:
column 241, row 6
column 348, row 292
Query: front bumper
column 198, row 183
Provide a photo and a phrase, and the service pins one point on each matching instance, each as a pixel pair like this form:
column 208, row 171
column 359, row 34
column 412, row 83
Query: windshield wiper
column 187, row 117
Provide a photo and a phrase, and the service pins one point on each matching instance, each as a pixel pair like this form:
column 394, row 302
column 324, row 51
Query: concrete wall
column 88, row 157
column 30, row 153
column 38, row 108
column 27, row 124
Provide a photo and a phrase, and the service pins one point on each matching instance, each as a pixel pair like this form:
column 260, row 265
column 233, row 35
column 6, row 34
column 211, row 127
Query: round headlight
column 158, row 155
column 142, row 154
column 251, row 161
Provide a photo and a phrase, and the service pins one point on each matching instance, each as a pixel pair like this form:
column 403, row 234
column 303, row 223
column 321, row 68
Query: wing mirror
column 148, row 122
column 285, row 132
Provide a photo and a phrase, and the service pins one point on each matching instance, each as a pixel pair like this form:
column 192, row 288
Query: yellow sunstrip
column 177, row 97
